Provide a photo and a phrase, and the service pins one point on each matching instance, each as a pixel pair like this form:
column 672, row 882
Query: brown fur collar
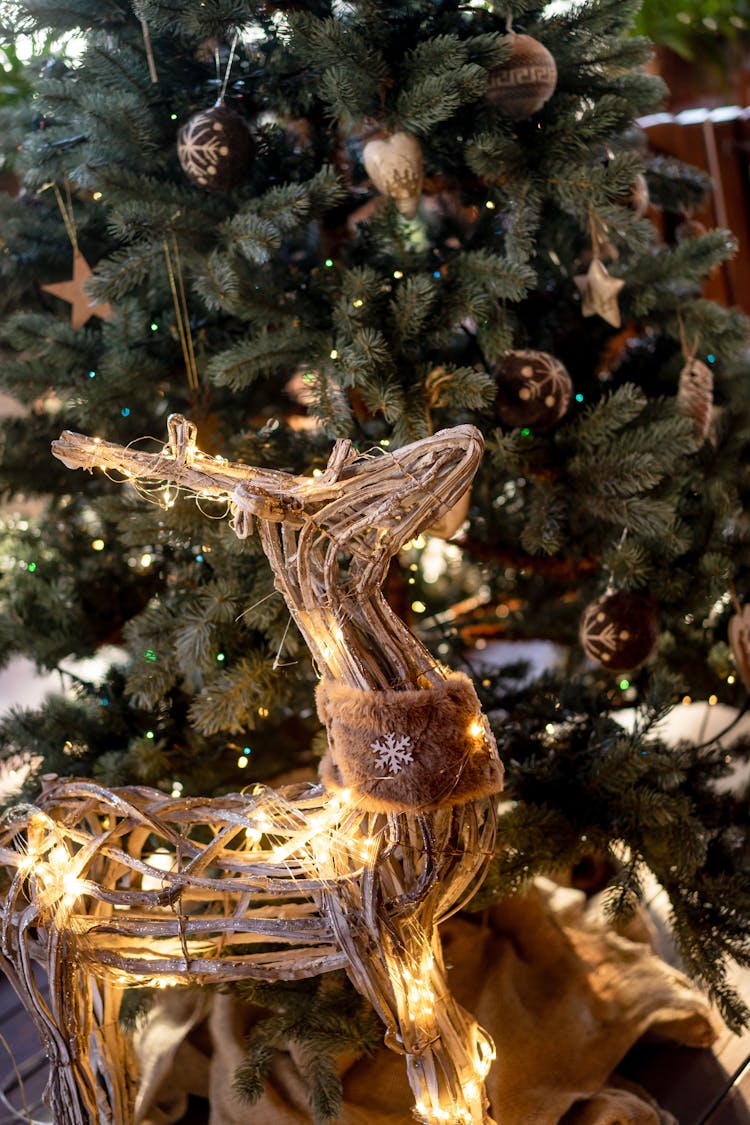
column 408, row 750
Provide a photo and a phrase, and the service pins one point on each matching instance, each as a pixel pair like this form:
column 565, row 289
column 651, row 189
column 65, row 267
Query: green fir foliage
column 319, row 1019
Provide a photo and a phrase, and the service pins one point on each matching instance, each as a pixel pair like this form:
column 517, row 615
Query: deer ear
column 243, row 523
column 69, row 462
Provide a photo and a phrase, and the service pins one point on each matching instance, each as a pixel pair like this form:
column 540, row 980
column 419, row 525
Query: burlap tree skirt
column 563, row 995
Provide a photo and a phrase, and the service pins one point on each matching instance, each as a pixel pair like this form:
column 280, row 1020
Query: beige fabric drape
column 563, row 996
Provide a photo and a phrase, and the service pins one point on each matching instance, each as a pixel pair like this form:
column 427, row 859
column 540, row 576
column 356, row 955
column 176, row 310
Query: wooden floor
column 23, row 1065
column 698, row 1087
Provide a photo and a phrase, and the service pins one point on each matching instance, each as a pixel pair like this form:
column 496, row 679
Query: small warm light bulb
column 72, row 886
column 146, row 559
column 253, row 835
column 398, row 274
column 242, row 763
column 713, row 699
column 476, row 728
column 333, row 353
column 490, row 205
column 358, row 302
column 418, row 607
column 730, row 679
column 26, row 865
column 97, row 545
column 58, row 857
column 686, row 699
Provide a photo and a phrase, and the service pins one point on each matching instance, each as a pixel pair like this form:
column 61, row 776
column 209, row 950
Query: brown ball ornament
column 214, row 148
column 619, row 631
column 690, row 229
column 739, row 639
column 522, row 84
column 533, row 389
column 448, row 522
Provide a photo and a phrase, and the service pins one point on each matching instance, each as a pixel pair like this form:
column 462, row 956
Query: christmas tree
column 292, row 223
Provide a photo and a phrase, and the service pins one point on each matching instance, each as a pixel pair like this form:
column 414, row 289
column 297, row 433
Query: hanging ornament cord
column 66, row 210
column 689, row 353
column 177, row 286
column 597, row 233
column 149, row 52
column 227, row 72
column 611, row 588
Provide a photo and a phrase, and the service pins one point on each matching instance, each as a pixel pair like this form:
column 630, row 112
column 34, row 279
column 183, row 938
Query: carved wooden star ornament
column 83, row 308
column 599, row 293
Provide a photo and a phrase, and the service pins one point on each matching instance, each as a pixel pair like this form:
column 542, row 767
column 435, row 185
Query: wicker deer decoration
column 355, row 873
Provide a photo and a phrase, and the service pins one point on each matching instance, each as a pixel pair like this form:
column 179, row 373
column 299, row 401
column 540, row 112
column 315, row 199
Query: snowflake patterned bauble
column 619, row 631
column 215, row 148
column 395, row 166
column 533, row 389
column 522, row 84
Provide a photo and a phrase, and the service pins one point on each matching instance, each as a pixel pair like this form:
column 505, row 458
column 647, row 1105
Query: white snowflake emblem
column 201, row 146
column 393, row 751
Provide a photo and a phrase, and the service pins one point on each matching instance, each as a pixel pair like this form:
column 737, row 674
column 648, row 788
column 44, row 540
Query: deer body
column 387, row 879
